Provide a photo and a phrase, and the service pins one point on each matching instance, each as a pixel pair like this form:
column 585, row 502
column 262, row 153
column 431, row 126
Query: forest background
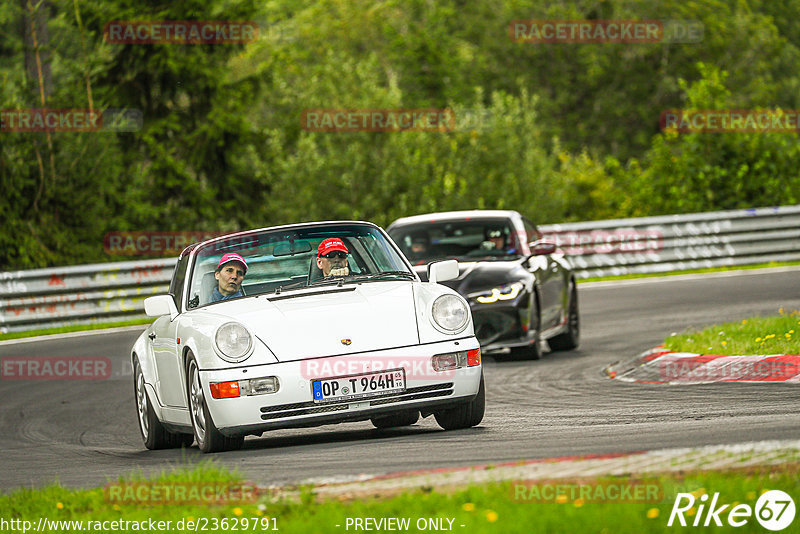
column 560, row 132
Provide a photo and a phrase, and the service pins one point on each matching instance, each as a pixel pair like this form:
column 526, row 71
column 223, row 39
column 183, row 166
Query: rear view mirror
column 295, row 247
column 540, row 248
column 441, row 271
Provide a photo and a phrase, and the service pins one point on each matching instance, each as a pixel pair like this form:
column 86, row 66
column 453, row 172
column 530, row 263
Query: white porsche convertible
column 298, row 326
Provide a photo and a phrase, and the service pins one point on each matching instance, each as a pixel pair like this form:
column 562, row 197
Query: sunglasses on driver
column 336, row 254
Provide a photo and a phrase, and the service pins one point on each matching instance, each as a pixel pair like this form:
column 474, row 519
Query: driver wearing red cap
column 229, row 274
column 332, row 257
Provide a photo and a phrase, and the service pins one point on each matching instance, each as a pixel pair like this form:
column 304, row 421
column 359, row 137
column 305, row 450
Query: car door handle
column 151, row 336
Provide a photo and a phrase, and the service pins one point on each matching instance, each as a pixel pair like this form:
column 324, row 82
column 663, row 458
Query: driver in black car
column 495, row 238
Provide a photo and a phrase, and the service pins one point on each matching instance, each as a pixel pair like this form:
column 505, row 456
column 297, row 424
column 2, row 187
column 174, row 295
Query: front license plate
column 359, row 386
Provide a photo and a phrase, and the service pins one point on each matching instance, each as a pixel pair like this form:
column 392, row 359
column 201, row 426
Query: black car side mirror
column 542, row 247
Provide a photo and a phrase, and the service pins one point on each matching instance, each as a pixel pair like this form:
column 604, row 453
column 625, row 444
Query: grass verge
column 495, row 508
column 755, row 335
column 73, row 328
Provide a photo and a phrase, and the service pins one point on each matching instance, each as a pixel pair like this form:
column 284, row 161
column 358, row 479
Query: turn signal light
column 224, row 390
column 473, row 357
column 244, row 388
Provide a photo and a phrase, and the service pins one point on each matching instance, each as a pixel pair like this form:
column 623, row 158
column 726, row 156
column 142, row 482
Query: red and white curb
column 572, row 467
column 660, row 366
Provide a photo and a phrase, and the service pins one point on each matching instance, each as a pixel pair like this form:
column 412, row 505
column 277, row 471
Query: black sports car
column 519, row 288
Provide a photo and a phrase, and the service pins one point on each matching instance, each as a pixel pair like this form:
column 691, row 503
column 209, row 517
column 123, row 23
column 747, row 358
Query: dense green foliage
column 558, row 131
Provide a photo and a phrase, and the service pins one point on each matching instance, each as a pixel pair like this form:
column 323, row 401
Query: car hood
column 479, row 275
column 330, row 320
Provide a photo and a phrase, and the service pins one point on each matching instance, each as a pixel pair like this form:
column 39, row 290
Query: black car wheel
column 465, row 416
column 572, row 337
column 154, row 435
column 208, row 437
column 531, row 351
column 396, row 419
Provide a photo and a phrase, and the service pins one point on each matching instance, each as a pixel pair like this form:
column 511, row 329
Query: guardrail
column 104, row 292
column 44, row 298
column 680, row 242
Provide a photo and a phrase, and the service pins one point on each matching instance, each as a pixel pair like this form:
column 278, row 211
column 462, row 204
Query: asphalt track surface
column 84, row 433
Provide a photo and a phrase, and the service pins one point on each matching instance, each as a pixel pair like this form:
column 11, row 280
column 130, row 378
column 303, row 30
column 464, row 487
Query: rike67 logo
column 774, row 510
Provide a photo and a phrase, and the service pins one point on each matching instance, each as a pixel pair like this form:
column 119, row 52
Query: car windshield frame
column 454, row 246
column 371, row 254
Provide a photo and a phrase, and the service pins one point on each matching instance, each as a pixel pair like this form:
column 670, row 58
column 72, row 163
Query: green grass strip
column 73, row 328
column 508, row 507
column 754, row 335
column 691, row 271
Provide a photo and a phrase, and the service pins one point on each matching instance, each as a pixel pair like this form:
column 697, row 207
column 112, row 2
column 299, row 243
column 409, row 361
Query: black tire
column 206, row 434
column 405, row 418
column 465, row 416
column 572, row 337
column 528, row 352
column 532, row 351
column 153, row 433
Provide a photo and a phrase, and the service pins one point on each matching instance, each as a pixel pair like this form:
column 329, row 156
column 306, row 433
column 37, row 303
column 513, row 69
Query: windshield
column 287, row 259
column 466, row 240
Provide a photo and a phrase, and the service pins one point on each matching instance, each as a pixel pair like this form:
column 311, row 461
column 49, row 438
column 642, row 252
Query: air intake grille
column 308, row 408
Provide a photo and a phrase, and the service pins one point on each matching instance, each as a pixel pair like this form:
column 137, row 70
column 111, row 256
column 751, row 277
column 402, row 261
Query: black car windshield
column 286, row 259
column 465, row 240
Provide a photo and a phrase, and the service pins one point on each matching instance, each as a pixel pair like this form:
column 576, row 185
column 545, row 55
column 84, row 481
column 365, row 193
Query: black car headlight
column 505, row 292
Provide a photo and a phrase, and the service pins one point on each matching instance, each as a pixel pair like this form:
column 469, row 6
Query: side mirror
column 441, row 271
column 540, row 248
column 160, row 305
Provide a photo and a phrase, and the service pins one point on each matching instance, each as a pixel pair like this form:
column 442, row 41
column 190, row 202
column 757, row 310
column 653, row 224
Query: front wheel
column 465, row 416
column 154, row 435
column 532, row 351
column 571, row 338
column 207, row 435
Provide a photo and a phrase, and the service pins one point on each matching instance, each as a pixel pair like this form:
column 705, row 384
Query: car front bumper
column 293, row 404
column 501, row 325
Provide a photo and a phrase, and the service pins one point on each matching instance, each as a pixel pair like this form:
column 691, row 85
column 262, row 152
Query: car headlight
column 233, row 342
column 450, row 313
column 506, row 292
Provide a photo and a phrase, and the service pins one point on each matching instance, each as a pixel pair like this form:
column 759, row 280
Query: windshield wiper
column 294, row 285
column 327, row 281
column 384, row 274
